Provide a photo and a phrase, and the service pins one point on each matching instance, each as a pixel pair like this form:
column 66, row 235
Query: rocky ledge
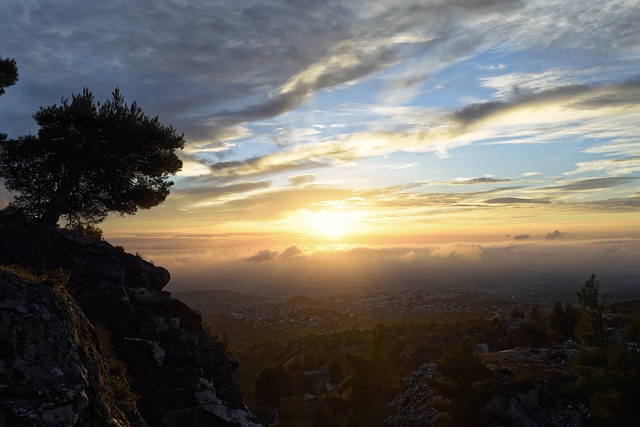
column 89, row 338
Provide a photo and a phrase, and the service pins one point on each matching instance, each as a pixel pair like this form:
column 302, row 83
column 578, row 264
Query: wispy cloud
column 301, row 179
column 594, row 184
column 481, row 180
column 516, row 200
column 576, row 97
column 476, row 122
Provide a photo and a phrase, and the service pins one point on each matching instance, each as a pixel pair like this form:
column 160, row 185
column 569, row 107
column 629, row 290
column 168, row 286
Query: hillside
column 89, row 338
column 524, row 366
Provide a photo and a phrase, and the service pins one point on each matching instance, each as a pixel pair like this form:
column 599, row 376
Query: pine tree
column 590, row 328
column 89, row 159
column 8, row 73
column 466, row 386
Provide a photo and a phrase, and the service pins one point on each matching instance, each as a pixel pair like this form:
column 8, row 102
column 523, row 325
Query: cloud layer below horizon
column 211, row 262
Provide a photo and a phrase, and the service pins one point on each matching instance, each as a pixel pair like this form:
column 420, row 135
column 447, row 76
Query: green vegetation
column 91, row 231
column 608, row 371
column 116, row 374
column 23, row 273
column 590, row 328
column 466, row 386
column 343, row 378
column 562, row 321
column 57, row 278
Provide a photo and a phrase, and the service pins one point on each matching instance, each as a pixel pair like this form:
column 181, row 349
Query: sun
column 330, row 224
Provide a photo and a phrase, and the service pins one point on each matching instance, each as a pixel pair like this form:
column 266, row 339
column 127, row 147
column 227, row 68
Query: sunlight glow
column 330, row 224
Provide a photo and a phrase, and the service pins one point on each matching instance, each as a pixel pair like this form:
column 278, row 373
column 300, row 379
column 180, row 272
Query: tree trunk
column 55, row 207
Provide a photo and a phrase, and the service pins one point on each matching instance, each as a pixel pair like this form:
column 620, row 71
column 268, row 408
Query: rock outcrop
column 532, row 390
column 140, row 335
column 50, row 370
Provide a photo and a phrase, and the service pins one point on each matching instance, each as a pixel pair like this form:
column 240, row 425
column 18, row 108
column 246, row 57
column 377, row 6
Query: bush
column 562, row 321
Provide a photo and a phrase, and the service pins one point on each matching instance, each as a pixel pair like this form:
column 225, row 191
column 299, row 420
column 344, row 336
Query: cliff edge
column 89, row 338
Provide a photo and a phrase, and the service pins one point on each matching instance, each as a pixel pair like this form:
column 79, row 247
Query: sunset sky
column 362, row 140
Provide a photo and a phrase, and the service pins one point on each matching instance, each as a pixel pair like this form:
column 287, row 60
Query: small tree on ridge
column 591, row 327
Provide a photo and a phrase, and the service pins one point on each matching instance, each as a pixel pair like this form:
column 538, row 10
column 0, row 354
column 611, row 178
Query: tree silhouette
column 562, row 320
column 374, row 380
column 273, row 384
column 8, row 77
column 591, row 328
column 8, row 73
column 89, row 159
column 466, row 387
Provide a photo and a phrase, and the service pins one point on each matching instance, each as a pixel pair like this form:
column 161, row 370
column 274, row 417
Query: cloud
column 465, row 251
column 609, row 166
column 341, row 268
column 404, row 166
column 302, row 179
column 478, row 112
column 263, row 255
column 594, row 184
column 291, row 251
column 273, row 205
column 207, row 187
column 202, row 55
column 577, row 97
column 270, row 164
column 613, row 95
column 481, row 180
column 521, row 236
column 235, row 64
column 554, row 235
column 516, row 200
column 498, row 67
column 512, row 84
column 631, row 203
column 441, row 133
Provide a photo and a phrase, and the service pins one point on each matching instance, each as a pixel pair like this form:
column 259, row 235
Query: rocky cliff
column 89, row 338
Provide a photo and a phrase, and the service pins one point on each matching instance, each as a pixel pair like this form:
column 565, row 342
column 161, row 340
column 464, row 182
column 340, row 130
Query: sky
column 361, row 140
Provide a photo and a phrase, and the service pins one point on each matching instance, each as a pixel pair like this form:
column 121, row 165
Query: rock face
column 182, row 377
column 534, row 384
column 49, row 375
